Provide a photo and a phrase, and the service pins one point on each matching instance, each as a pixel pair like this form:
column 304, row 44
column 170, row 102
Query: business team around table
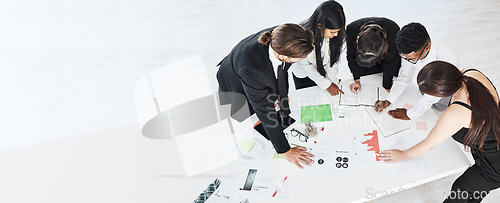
column 253, row 78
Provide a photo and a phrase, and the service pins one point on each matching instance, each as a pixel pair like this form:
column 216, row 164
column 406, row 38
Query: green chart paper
column 316, row 113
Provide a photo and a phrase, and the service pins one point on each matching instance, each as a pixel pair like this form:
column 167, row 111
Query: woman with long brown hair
column 473, row 118
column 320, row 67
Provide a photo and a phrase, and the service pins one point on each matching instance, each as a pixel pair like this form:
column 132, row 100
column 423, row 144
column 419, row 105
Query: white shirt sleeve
column 332, row 72
column 424, row 103
column 444, row 53
column 308, row 66
column 408, row 71
column 405, row 75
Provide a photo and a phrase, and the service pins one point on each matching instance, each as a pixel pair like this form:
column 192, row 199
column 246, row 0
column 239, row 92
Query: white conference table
column 365, row 180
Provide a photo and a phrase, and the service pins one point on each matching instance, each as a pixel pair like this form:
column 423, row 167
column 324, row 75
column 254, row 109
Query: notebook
column 367, row 96
column 387, row 124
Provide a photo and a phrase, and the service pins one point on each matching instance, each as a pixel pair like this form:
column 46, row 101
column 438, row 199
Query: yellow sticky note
column 278, row 156
column 247, row 145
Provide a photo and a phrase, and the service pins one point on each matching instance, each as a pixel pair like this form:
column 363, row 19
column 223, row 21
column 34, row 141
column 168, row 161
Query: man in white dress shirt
column 417, row 50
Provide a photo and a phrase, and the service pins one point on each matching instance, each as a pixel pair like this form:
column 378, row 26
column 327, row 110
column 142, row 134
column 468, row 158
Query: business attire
column 389, row 65
column 484, row 175
column 250, row 79
column 306, row 70
column 409, row 72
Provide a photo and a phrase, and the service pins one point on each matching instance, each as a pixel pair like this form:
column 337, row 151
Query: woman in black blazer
column 371, row 48
column 253, row 78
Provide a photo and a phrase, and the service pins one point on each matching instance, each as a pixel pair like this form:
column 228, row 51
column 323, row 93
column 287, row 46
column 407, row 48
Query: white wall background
column 69, row 67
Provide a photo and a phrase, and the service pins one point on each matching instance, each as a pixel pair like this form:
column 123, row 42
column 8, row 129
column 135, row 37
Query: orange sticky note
column 421, row 125
column 407, row 106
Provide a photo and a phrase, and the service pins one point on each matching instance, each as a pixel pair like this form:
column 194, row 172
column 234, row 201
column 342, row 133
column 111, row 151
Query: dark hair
column 443, row 79
column 290, row 40
column 372, row 45
column 411, row 37
column 329, row 15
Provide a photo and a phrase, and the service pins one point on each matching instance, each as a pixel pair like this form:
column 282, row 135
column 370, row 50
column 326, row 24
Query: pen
column 296, row 145
column 282, row 182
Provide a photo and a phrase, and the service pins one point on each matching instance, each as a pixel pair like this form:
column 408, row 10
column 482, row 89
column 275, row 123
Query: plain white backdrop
column 69, row 68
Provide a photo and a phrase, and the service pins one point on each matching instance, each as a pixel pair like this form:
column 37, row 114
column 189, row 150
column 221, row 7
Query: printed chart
column 372, row 144
column 366, row 147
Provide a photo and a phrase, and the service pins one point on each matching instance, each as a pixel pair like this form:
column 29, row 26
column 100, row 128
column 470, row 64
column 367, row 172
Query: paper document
column 367, row 96
column 385, row 123
column 412, row 167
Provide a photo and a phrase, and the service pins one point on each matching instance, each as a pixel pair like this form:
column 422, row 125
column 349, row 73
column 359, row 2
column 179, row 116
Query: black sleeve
column 262, row 100
column 352, row 33
column 392, row 61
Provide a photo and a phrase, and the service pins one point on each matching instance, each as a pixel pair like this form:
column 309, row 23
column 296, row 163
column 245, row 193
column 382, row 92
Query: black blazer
column 246, row 76
column 391, row 62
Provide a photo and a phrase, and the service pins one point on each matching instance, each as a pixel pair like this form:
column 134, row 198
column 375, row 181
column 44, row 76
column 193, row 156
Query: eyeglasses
column 415, row 60
column 302, row 137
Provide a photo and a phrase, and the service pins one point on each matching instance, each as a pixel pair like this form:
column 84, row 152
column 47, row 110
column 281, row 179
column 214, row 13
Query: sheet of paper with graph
column 385, row 123
column 367, row 96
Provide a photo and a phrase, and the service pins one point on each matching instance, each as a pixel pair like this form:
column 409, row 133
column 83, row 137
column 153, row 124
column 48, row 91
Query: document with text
column 385, row 123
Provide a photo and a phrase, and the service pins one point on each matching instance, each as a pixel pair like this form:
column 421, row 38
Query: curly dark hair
column 411, row 37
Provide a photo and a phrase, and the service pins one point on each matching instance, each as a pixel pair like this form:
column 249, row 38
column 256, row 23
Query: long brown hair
column 443, row 79
column 290, row 40
column 372, row 45
column 329, row 15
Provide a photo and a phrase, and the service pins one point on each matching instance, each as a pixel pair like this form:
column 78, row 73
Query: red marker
column 277, row 191
column 323, row 128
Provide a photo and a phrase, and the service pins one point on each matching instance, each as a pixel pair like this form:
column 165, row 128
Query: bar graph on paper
column 367, row 147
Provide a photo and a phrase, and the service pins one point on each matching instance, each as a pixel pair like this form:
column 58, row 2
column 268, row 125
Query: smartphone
column 250, row 179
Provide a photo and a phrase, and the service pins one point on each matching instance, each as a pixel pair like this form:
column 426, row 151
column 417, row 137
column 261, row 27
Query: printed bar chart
column 373, row 144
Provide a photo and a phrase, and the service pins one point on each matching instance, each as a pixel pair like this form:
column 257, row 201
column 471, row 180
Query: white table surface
column 365, row 181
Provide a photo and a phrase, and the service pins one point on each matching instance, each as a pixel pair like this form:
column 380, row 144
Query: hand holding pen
column 381, row 105
column 355, row 87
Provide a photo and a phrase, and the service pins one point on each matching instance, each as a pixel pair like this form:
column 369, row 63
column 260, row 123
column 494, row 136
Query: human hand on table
column 381, row 105
column 299, row 156
column 355, row 87
column 399, row 113
column 333, row 89
column 392, row 155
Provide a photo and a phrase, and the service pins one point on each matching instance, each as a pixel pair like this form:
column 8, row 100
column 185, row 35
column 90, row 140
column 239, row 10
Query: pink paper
column 421, row 125
column 407, row 106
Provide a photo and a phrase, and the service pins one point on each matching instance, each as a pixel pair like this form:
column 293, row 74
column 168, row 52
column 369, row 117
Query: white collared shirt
column 276, row 63
column 307, row 67
column 408, row 72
